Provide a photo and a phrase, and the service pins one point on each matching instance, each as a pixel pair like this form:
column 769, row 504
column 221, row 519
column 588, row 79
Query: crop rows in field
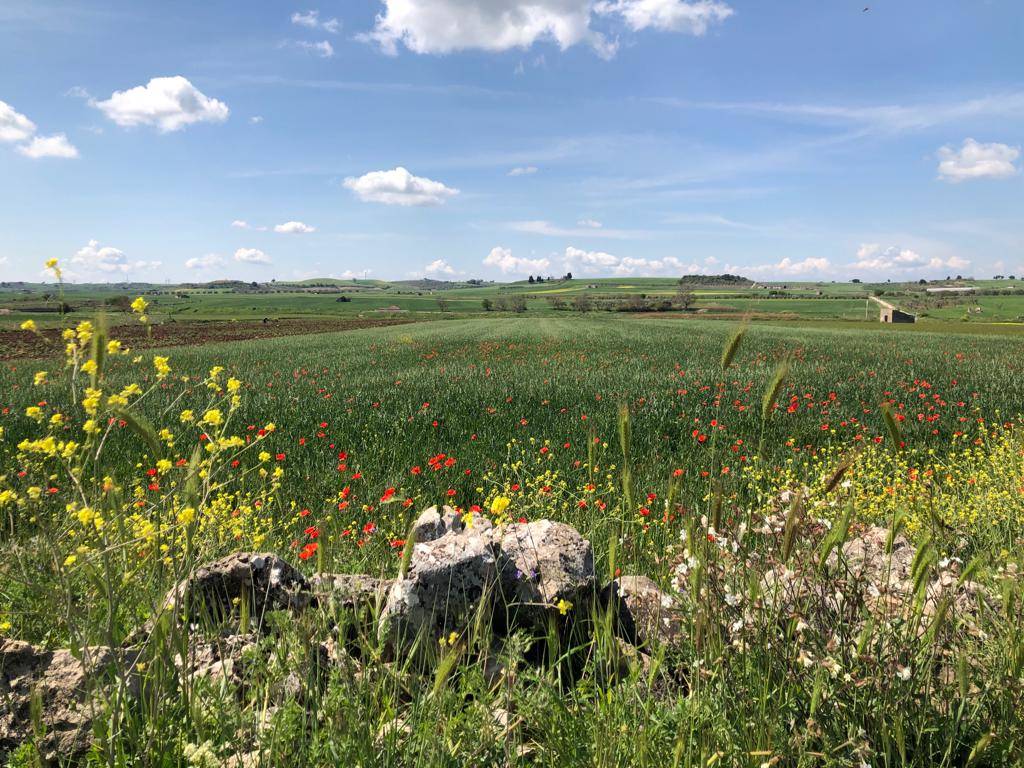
column 461, row 411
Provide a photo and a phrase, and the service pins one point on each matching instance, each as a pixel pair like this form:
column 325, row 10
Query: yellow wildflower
column 162, row 368
column 84, row 332
column 40, row 378
column 86, row 515
column 186, row 516
column 91, row 401
column 139, row 305
column 213, row 417
column 28, row 325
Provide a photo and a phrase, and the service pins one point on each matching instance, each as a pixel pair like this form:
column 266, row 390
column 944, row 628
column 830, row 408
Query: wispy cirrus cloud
column 311, row 20
column 583, row 229
column 889, row 118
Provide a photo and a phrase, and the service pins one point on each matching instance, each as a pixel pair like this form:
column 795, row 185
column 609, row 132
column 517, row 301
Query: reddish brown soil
column 23, row 344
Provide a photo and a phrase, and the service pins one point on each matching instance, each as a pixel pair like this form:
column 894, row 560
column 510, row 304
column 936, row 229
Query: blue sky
column 494, row 139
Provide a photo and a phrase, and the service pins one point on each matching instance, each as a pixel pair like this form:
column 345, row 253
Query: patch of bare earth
column 23, row 344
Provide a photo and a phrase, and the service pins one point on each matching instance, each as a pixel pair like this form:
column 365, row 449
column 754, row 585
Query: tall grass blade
column 892, row 426
column 142, row 427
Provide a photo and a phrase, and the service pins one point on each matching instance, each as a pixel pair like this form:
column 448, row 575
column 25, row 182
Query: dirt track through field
column 24, row 344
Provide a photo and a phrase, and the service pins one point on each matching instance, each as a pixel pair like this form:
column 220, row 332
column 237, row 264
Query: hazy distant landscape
column 982, row 303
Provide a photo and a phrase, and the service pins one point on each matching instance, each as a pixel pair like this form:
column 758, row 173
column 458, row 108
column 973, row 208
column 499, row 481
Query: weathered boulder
column 221, row 659
column 544, row 567
column 532, row 570
column 867, row 557
column 431, row 524
column 215, row 591
column 67, row 689
column 348, row 591
column 352, row 604
column 645, row 615
column 240, row 660
column 446, row 580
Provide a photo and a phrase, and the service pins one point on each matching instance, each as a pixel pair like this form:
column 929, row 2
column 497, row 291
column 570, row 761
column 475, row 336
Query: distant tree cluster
column 724, row 279
column 515, row 303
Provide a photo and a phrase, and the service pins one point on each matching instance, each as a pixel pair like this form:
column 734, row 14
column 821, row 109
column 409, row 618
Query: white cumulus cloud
column 294, row 228
column 667, row 15
column 168, row 103
column 94, row 258
column 977, row 161
column 399, row 187
column 602, row 263
column 503, row 259
column 523, row 170
column 14, row 126
column 789, row 267
column 240, row 224
column 56, row 145
column 875, row 257
column 443, row 26
column 251, row 256
column 311, row 20
column 439, row 267
column 204, row 262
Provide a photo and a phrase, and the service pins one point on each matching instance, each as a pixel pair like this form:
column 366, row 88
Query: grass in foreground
column 121, row 476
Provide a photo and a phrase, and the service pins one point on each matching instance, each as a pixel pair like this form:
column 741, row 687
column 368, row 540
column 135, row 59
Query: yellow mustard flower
column 213, row 417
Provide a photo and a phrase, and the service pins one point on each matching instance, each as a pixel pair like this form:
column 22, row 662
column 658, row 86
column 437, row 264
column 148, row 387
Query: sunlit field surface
column 323, row 449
